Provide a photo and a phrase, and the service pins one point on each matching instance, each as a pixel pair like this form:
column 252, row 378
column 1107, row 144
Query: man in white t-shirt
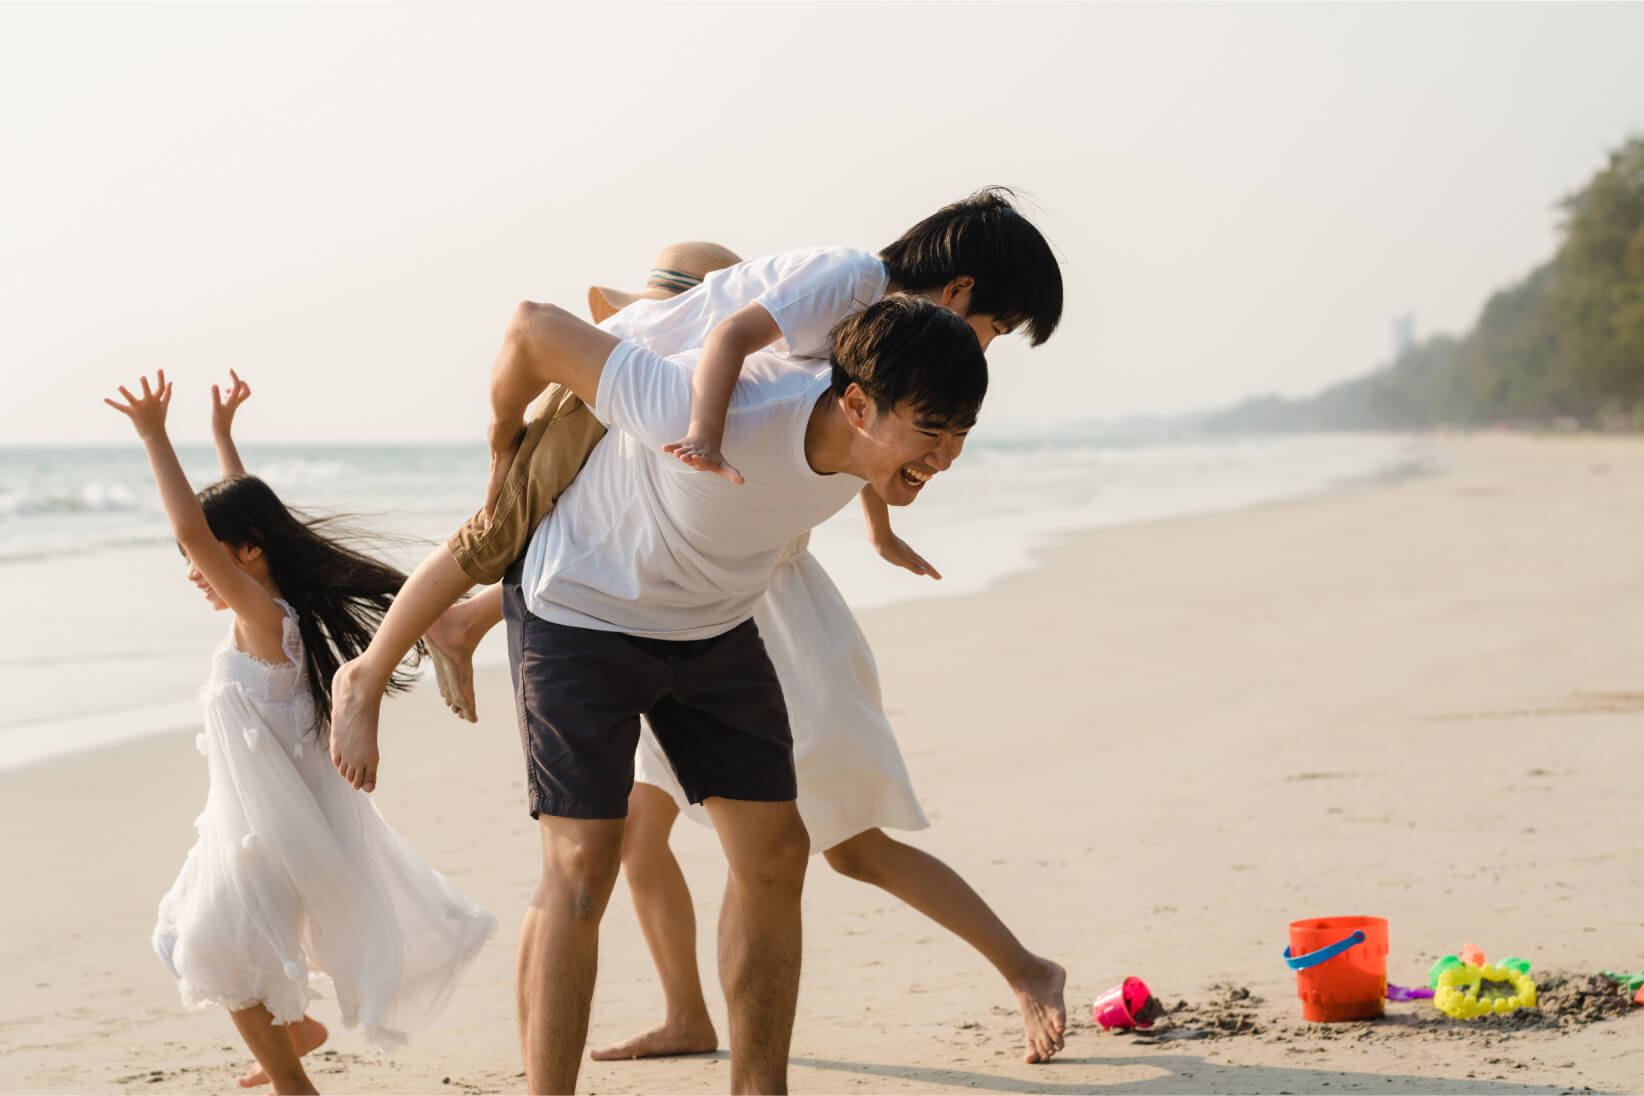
column 636, row 597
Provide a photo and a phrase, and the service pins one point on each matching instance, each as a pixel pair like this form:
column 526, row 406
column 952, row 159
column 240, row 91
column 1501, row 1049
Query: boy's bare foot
column 665, row 1041
column 1044, row 1012
column 355, row 705
column 453, row 659
column 306, row 1034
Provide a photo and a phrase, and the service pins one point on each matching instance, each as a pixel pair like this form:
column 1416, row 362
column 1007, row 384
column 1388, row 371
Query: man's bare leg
column 307, row 1035
column 767, row 849
column 662, row 902
column 358, row 685
column 270, row 1044
column 937, row 891
column 452, row 640
column 559, row 947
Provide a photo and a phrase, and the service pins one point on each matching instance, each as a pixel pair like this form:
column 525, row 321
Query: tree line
column 1565, row 345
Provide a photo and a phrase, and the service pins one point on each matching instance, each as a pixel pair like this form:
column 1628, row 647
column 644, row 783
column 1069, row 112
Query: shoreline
column 1420, row 701
column 868, row 583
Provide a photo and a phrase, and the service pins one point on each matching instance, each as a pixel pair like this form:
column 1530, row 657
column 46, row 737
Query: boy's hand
column 505, row 439
column 223, row 407
column 148, row 413
column 704, row 456
column 893, row 549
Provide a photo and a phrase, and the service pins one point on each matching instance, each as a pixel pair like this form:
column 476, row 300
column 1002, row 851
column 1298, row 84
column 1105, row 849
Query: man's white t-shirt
column 806, row 293
column 641, row 543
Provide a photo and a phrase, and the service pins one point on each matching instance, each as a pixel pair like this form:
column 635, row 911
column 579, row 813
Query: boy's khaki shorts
column 557, row 441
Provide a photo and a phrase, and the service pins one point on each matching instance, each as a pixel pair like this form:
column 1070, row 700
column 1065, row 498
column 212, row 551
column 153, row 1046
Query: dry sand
column 1422, row 701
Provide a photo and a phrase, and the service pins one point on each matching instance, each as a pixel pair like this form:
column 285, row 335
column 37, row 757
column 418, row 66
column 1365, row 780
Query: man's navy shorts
column 714, row 704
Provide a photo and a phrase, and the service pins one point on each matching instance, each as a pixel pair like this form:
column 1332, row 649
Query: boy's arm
column 885, row 541
column 222, row 425
column 542, row 345
column 728, row 345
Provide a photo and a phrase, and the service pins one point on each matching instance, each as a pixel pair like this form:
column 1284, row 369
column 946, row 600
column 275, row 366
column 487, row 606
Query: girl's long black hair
column 339, row 594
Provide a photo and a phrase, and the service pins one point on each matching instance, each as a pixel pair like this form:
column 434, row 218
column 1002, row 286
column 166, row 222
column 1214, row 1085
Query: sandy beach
column 1421, row 700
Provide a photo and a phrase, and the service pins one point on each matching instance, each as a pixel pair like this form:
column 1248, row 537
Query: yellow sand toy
column 1467, row 990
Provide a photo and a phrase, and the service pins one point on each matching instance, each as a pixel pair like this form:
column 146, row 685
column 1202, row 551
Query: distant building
column 1404, row 334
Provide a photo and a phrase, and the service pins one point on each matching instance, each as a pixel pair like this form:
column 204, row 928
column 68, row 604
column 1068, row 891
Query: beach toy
column 1341, row 967
column 1631, row 981
column 1442, row 964
column 1117, row 1007
column 1408, row 993
column 1471, row 990
column 1445, row 962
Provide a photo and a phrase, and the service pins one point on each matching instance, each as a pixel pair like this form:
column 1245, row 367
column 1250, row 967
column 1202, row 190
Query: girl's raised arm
column 262, row 619
column 222, row 424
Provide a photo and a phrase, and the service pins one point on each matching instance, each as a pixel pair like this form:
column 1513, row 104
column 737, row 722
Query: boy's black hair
column 1017, row 277
column 339, row 594
column 904, row 348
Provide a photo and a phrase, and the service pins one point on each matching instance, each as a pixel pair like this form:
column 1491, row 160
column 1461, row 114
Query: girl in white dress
column 295, row 878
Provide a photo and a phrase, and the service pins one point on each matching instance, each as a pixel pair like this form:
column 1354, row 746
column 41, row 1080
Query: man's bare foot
column 355, row 705
column 667, row 1041
column 306, row 1034
column 1044, row 1012
column 453, row 656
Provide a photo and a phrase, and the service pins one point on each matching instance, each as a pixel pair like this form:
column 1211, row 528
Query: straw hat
column 678, row 267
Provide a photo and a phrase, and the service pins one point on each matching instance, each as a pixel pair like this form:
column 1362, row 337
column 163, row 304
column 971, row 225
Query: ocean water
column 107, row 640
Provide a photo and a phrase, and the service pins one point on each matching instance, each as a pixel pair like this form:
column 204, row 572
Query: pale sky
column 344, row 203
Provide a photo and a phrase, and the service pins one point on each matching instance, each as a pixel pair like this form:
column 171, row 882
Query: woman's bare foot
column 1044, row 1012
column 453, row 655
column 306, row 1034
column 666, row 1041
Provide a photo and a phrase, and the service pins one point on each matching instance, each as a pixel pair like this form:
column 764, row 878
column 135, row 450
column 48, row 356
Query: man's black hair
column 1018, row 280
column 903, row 348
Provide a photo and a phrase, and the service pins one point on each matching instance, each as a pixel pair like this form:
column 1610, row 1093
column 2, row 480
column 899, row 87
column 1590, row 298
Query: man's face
column 904, row 449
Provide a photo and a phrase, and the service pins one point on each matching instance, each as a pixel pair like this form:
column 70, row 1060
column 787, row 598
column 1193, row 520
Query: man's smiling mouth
column 913, row 477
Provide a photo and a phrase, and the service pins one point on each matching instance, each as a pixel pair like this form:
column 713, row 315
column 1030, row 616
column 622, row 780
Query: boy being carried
column 978, row 258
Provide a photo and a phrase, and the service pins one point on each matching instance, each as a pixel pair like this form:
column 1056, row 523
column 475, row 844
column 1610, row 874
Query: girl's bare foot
column 453, row 656
column 666, row 1041
column 306, row 1034
column 1044, row 1012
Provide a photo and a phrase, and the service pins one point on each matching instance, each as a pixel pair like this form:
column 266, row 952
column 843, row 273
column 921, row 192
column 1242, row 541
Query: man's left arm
column 542, row 345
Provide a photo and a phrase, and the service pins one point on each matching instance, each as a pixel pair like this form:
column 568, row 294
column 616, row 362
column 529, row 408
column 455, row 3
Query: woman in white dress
column 295, row 879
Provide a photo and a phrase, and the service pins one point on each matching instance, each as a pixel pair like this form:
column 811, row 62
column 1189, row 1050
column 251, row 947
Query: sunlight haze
column 344, row 203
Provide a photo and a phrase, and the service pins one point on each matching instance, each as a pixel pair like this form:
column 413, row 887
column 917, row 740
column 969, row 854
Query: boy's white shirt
column 806, row 292
column 640, row 543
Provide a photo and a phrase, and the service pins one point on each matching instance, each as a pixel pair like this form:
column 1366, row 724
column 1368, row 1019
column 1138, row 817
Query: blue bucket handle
column 1314, row 958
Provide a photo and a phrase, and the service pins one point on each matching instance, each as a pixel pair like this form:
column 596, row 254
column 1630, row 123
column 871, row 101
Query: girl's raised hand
column 223, row 407
column 148, row 412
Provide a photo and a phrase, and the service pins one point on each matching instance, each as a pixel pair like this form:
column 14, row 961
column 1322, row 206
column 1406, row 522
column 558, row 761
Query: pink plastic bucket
column 1117, row 1008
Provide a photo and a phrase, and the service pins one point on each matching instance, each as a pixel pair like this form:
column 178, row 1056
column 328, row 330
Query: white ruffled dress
column 850, row 771
column 296, row 881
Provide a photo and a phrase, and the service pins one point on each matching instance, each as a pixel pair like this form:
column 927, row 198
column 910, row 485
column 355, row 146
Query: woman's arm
column 262, row 618
column 222, row 424
column 885, row 541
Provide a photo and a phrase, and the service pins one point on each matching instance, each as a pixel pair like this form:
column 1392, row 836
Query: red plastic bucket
column 1341, row 967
